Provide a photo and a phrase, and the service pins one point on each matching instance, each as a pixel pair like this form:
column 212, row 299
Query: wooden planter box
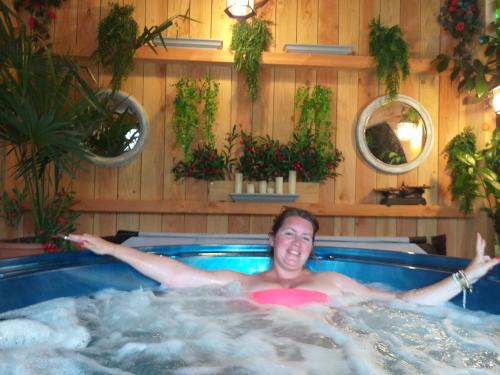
column 20, row 249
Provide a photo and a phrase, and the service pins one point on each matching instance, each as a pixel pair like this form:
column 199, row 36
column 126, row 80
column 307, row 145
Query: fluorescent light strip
column 189, row 43
column 328, row 49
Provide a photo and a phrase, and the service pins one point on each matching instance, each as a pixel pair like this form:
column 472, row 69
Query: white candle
column 270, row 190
column 238, row 183
column 250, row 188
column 279, row 185
column 263, row 187
column 292, row 182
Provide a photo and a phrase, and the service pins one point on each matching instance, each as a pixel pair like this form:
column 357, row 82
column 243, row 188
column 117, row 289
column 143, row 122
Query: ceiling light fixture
column 242, row 9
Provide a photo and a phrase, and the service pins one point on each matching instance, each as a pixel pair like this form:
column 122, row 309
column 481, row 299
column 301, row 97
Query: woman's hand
column 481, row 264
column 93, row 243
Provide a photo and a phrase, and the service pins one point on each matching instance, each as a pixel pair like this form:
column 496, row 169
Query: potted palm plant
column 40, row 124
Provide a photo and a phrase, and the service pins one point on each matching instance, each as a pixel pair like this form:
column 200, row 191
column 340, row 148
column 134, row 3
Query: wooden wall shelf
column 253, row 208
column 297, row 60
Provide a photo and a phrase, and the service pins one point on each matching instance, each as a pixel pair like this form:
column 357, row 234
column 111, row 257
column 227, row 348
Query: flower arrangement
column 207, row 163
column 461, row 18
column 311, row 151
column 41, row 12
column 262, row 158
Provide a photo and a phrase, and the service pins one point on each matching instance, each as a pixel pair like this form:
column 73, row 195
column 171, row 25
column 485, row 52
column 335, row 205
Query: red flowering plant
column 13, row 208
column 461, row 18
column 312, row 162
column 262, row 158
column 57, row 221
column 40, row 13
column 207, row 163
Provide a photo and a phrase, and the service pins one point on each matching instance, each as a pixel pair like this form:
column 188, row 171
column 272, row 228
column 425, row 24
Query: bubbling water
column 218, row 331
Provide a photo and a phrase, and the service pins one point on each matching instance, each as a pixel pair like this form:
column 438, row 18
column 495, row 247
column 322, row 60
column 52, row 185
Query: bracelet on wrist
column 462, row 281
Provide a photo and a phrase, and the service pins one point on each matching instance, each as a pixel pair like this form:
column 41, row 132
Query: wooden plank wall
column 302, row 21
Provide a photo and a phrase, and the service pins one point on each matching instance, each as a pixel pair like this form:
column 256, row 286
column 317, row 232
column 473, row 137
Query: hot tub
column 25, row 281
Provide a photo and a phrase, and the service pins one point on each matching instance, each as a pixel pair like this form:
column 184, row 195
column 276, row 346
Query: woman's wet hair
column 290, row 212
column 293, row 211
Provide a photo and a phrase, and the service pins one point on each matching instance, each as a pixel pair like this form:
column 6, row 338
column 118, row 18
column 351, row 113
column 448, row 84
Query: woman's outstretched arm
column 434, row 294
column 165, row 270
column 448, row 288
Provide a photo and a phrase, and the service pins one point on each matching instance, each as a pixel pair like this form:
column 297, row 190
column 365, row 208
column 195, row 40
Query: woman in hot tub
column 287, row 282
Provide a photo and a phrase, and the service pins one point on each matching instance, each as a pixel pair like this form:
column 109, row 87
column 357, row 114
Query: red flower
column 460, row 26
column 452, row 8
column 31, row 22
column 61, row 220
column 51, row 14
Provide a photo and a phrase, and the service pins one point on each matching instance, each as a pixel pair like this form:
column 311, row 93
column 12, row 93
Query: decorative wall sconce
column 496, row 104
column 242, row 9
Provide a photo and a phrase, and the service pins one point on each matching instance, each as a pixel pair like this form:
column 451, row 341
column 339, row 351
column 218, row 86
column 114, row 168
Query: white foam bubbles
column 217, row 331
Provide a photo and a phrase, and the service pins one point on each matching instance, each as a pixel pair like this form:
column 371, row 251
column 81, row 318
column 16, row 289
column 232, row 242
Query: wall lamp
column 242, row 9
column 496, row 104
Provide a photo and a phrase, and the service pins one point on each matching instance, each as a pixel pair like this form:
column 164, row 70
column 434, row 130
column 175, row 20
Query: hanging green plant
column 475, row 76
column 185, row 117
column 118, row 40
column 312, row 152
column 391, row 55
column 209, row 93
column 474, row 174
column 248, row 42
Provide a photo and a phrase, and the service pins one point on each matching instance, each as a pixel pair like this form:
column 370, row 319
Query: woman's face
column 292, row 243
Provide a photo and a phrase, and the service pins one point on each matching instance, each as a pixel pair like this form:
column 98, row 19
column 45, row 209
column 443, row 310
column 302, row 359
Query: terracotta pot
column 20, row 249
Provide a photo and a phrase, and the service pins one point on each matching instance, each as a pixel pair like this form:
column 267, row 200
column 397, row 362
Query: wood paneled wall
column 300, row 21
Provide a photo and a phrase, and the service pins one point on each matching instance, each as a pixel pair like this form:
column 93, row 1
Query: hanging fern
column 391, row 55
column 118, row 40
column 248, row 42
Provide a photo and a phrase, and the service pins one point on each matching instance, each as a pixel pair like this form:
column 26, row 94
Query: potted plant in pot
column 40, row 125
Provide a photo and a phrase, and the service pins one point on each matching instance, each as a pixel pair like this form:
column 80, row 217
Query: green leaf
column 442, row 62
column 466, row 158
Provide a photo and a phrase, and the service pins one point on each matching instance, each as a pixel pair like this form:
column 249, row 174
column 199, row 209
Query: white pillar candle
column 270, row 190
column 292, row 182
column 279, row 185
column 238, row 183
column 250, row 188
column 263, row 187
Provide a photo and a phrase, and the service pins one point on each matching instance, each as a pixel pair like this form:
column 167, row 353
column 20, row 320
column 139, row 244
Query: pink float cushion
column 288, row 297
